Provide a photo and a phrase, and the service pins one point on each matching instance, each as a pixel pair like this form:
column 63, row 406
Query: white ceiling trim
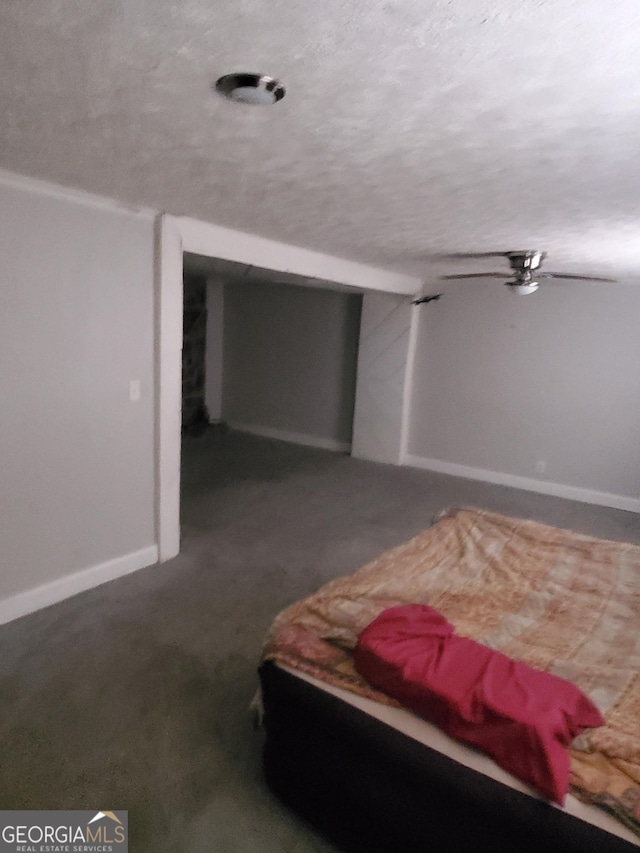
column 214, row 241
column 15, row 181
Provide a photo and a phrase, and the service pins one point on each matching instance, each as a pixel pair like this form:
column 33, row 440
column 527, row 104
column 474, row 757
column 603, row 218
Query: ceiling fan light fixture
column 523, row 288
column 252, row 89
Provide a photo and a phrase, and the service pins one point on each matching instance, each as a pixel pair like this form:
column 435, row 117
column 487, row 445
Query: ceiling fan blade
column 573, row 277
column 428, row 256
column 460, row 256
column 503, row 275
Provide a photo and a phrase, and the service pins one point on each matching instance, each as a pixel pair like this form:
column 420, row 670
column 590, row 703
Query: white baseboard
column 293, row 437
column 543, row 487
column 50, row 593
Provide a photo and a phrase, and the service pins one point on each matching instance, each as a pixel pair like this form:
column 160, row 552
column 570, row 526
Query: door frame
column 178, row 234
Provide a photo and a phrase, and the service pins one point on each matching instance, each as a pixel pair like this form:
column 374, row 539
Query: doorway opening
column 270, row 353
column 384, row 361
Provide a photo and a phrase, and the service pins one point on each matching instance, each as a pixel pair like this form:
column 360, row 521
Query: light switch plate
column 134, row 390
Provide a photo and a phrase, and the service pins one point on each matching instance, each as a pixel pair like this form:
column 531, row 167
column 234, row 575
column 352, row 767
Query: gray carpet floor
column 135, row 695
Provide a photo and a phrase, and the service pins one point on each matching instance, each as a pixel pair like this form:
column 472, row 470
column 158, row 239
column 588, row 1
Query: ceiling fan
column 525, row 267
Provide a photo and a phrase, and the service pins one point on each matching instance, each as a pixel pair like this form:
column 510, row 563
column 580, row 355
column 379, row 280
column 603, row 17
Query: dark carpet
column 135, row 695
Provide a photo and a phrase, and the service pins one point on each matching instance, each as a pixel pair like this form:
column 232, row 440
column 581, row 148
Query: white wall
column 76, row 456
column 505, row 382
column 383, row 364
column 290, row 360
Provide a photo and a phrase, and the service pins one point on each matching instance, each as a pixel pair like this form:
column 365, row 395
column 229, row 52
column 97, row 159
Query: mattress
column 372, row 785
column 425, row 733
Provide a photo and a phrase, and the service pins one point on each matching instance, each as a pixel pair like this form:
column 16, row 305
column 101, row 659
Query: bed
column 374, row 777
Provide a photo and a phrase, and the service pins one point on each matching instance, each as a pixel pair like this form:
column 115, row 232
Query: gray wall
column 290, row 358
column 502, row 382
column 214, row 347
column 76, row 456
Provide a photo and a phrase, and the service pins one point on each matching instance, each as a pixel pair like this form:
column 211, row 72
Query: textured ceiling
column 410, row 127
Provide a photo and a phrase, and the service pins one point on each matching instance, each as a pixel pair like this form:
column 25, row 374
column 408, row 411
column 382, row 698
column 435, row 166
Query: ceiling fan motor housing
column 523, row 263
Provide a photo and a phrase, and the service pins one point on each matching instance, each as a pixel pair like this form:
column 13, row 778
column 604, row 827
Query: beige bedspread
column 559, row 601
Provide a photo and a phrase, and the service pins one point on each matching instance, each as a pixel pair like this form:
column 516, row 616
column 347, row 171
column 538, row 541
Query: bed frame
column 371, row 789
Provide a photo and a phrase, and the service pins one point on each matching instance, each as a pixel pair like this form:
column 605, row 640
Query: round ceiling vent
column 256, row 89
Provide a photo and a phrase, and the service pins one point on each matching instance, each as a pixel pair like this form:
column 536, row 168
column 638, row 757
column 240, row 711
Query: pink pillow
column 522, row 717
